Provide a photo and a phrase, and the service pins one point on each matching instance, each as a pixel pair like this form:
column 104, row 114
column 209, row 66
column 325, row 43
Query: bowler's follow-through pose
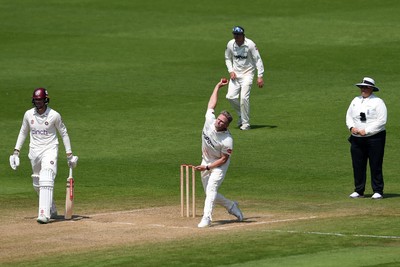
column 42, row 123
column 217, row 144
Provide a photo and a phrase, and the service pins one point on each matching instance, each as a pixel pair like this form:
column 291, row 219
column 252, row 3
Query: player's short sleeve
column 210, row 115
column 228, row 146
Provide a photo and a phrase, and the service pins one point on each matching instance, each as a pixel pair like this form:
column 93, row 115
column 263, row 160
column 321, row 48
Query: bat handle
column 70, row 172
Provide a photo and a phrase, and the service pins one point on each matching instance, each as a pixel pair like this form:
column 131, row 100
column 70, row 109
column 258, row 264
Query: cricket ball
column 224, row 80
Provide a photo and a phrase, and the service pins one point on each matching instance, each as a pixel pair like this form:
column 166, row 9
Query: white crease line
column 145, row 225
column 121, row 212
column 334, row 234
column 263, row 222
column 214, row 227
column 157, row 225
column 124, row 223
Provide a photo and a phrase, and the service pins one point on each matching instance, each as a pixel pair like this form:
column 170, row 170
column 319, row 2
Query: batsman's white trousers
column 241, row 87
column 44, row 168
column 211, row 181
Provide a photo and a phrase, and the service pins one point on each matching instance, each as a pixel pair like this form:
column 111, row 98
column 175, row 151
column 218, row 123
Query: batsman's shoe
column 42, row 219
column 205, row 222
column 377, row 196
column 235, row 211
column 355, row 195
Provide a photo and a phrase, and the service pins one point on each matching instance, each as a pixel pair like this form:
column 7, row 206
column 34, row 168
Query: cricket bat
column 69, row 198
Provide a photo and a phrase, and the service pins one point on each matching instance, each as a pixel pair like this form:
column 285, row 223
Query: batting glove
column 14, row 160
column 72, row 161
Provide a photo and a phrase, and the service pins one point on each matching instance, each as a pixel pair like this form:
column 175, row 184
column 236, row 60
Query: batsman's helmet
column 41, row 93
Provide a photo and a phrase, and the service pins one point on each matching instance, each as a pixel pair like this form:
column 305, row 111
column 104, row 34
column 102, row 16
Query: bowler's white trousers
column 212, row 180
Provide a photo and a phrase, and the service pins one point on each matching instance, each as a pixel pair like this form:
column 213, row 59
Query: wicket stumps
column 185, row 187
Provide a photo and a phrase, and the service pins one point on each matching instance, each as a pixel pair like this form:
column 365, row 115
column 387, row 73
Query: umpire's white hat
column 368, row 82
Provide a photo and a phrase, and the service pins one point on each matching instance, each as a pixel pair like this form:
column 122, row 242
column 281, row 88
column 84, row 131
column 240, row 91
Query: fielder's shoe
column 377, row 196
column 53, row 211
column 356, row 195
column 205, row 222
column 235, row 211
column 245, row 127
column 42, row 219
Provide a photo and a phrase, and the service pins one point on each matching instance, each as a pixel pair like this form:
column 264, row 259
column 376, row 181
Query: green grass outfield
column 132, row 80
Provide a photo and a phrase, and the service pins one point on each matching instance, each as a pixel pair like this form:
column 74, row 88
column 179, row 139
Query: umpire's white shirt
column 43, row 131
column 375, row 112
column 244, row 59
column 215, row 143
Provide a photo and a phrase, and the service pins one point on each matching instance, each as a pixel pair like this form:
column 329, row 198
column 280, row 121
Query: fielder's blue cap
column 238, row 30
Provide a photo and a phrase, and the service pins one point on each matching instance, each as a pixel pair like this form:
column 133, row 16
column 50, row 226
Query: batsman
column 217, row 145
column 42, row 123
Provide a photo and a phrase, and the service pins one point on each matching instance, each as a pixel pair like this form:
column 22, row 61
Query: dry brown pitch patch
column 23, row 238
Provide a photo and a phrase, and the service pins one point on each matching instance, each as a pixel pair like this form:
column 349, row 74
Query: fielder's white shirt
column 244, row 59
column 375, row 112
column 215, row 143
column 43, row 130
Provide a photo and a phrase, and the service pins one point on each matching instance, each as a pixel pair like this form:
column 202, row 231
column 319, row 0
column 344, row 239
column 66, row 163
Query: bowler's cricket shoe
column 205, row 222
column 235, row 211
column 42, row 219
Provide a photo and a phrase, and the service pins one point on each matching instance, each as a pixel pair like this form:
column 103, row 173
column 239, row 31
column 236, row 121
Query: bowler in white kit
column 217, row 145
column 42, row 123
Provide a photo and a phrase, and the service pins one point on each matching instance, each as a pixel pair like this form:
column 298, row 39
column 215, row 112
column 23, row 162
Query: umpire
column 366, row 119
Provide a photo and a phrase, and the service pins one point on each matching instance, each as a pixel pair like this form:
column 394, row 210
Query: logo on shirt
column 208, row 140
column 229, row 151
column 32, row 121
column 39, row 132
column 240, row 57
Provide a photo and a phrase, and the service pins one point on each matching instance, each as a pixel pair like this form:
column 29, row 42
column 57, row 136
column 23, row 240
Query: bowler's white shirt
column 215, row 143
column 43, row 130
column 244, row 59
column 375, row 112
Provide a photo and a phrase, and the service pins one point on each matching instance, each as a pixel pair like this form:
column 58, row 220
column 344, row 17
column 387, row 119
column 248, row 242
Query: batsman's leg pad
column 35, row 182
column 46, row 183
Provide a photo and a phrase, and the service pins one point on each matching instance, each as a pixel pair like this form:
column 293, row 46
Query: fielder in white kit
column 42, row 124
column 217, row 145
column 242, row 59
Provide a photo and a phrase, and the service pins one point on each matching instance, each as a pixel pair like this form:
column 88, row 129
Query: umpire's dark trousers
column 370, row 148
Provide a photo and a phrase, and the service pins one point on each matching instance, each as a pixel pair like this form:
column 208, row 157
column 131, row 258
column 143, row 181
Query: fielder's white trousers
column 212, row 180
column 239, row 97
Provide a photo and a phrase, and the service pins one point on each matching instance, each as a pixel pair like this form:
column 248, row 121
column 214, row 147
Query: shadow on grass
column 389, row 195
column 259, row 126
column 385, row 195
column 245, row 220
